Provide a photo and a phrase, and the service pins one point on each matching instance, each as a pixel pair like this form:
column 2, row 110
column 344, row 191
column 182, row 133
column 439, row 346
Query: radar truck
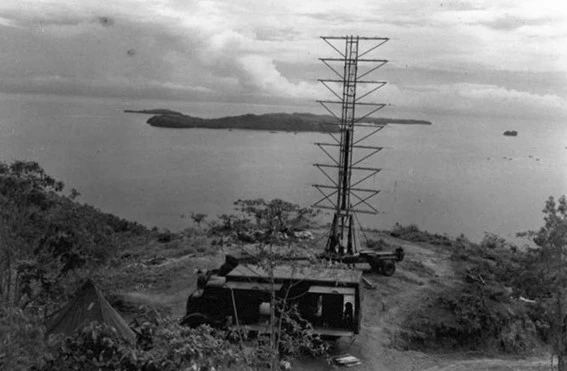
column 239, row 295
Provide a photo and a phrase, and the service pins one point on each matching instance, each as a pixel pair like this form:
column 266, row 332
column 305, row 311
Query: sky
column 497, row 58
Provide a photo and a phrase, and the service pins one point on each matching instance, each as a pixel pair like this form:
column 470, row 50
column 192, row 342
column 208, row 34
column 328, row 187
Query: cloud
column 6, row 22
column 453, row 53
column 479, row 99
column 260, row 72
column 508, row 96
column 193, row 45
column 508, row 23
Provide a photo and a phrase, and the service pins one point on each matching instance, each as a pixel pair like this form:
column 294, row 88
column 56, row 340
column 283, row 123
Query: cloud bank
column 478, row 57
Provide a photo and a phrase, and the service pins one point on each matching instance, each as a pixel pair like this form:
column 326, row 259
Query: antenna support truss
column 346, row 194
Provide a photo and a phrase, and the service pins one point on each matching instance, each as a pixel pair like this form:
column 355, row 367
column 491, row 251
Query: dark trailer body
column 330, row 299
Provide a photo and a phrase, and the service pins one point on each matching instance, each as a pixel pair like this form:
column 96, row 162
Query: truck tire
column 388, row 268
column 375, row 263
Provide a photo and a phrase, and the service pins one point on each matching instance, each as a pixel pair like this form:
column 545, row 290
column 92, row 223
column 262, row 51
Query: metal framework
column 346, row 193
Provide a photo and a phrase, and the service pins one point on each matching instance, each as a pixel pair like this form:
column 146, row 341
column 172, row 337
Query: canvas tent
column 87, row 306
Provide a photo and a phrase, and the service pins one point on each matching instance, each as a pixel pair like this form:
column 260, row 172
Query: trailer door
column 338, row 306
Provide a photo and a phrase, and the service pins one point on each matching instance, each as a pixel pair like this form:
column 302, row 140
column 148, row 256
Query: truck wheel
column 375, row 264
column 388, row 268
column 194, row 320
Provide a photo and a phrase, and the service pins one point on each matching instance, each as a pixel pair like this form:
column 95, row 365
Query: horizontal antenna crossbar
column 353, row 168
column 383, row 61
column 353, row 210
column 355, row 123
column 358, row 37
column 358, row 103
column 355, row 146
column 375, row 191
column 357, row 81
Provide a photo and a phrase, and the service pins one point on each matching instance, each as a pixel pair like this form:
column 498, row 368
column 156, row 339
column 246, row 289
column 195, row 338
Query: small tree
column 46, row 235
column 552, row 263
column 198, row 218
column 22, row 340
column 269, row 226
column 26, row 194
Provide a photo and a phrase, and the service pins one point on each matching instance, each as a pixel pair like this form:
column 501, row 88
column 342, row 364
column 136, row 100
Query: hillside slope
column 427, row 271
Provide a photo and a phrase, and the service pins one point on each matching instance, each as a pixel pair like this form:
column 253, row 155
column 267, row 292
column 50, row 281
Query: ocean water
column 460, row 175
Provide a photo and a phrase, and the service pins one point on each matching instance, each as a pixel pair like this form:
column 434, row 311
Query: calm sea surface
column 460, row 175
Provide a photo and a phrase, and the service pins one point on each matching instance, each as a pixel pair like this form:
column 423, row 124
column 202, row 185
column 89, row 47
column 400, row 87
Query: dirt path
column 388, row 304
column 427, row 270
column 494, row 364
column 177, row 279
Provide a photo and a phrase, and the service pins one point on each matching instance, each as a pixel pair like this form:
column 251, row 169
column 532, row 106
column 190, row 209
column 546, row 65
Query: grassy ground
column 158, row 276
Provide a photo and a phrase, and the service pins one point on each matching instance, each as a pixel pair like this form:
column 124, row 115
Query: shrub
column 376, row 244
column 174, row 347
column 201, row 248
column 47, row 235
column 414, row 234
column 94, row 347
column 483, row 311
column 493, row 241
column 471, row 318
column 165, row 236
column 22, row 340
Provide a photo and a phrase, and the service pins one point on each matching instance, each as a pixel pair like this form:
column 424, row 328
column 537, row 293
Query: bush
column 94, row 347
column 174, row 347
column 414, row 234
column 47, row 235
column 484, row 311
column 165, row 236
column 22, row 340
column 493, row 241
column 376, row 244
column 471, row 318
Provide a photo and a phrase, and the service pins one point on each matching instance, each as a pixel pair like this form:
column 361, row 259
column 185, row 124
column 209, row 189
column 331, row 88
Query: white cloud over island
column 505, row 57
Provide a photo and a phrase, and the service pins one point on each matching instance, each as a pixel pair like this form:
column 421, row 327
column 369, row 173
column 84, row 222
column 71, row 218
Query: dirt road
column 426, row 270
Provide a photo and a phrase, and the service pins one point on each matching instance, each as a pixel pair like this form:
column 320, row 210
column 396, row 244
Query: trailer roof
column 306, row 273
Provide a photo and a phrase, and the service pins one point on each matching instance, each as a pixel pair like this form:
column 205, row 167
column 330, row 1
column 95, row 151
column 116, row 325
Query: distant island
column 158, row 111
column 294, row 122
column 510, row 133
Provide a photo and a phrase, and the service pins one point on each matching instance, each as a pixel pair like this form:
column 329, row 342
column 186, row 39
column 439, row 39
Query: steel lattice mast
column 346, row 194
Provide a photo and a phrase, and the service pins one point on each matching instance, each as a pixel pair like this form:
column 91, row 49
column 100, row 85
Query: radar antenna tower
column 346, row 194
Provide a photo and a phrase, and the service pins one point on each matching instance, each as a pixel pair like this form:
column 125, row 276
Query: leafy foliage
column 509, row 298
column 264, row 222
column 297, row 337
column 414, row 234
column 45, row 235
column 551, row 267
column 98, row 347
column 484, row 310
column 47, row 242
column 204, row 346
column 270, row 227
column 198, row 218
column 21, row 341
